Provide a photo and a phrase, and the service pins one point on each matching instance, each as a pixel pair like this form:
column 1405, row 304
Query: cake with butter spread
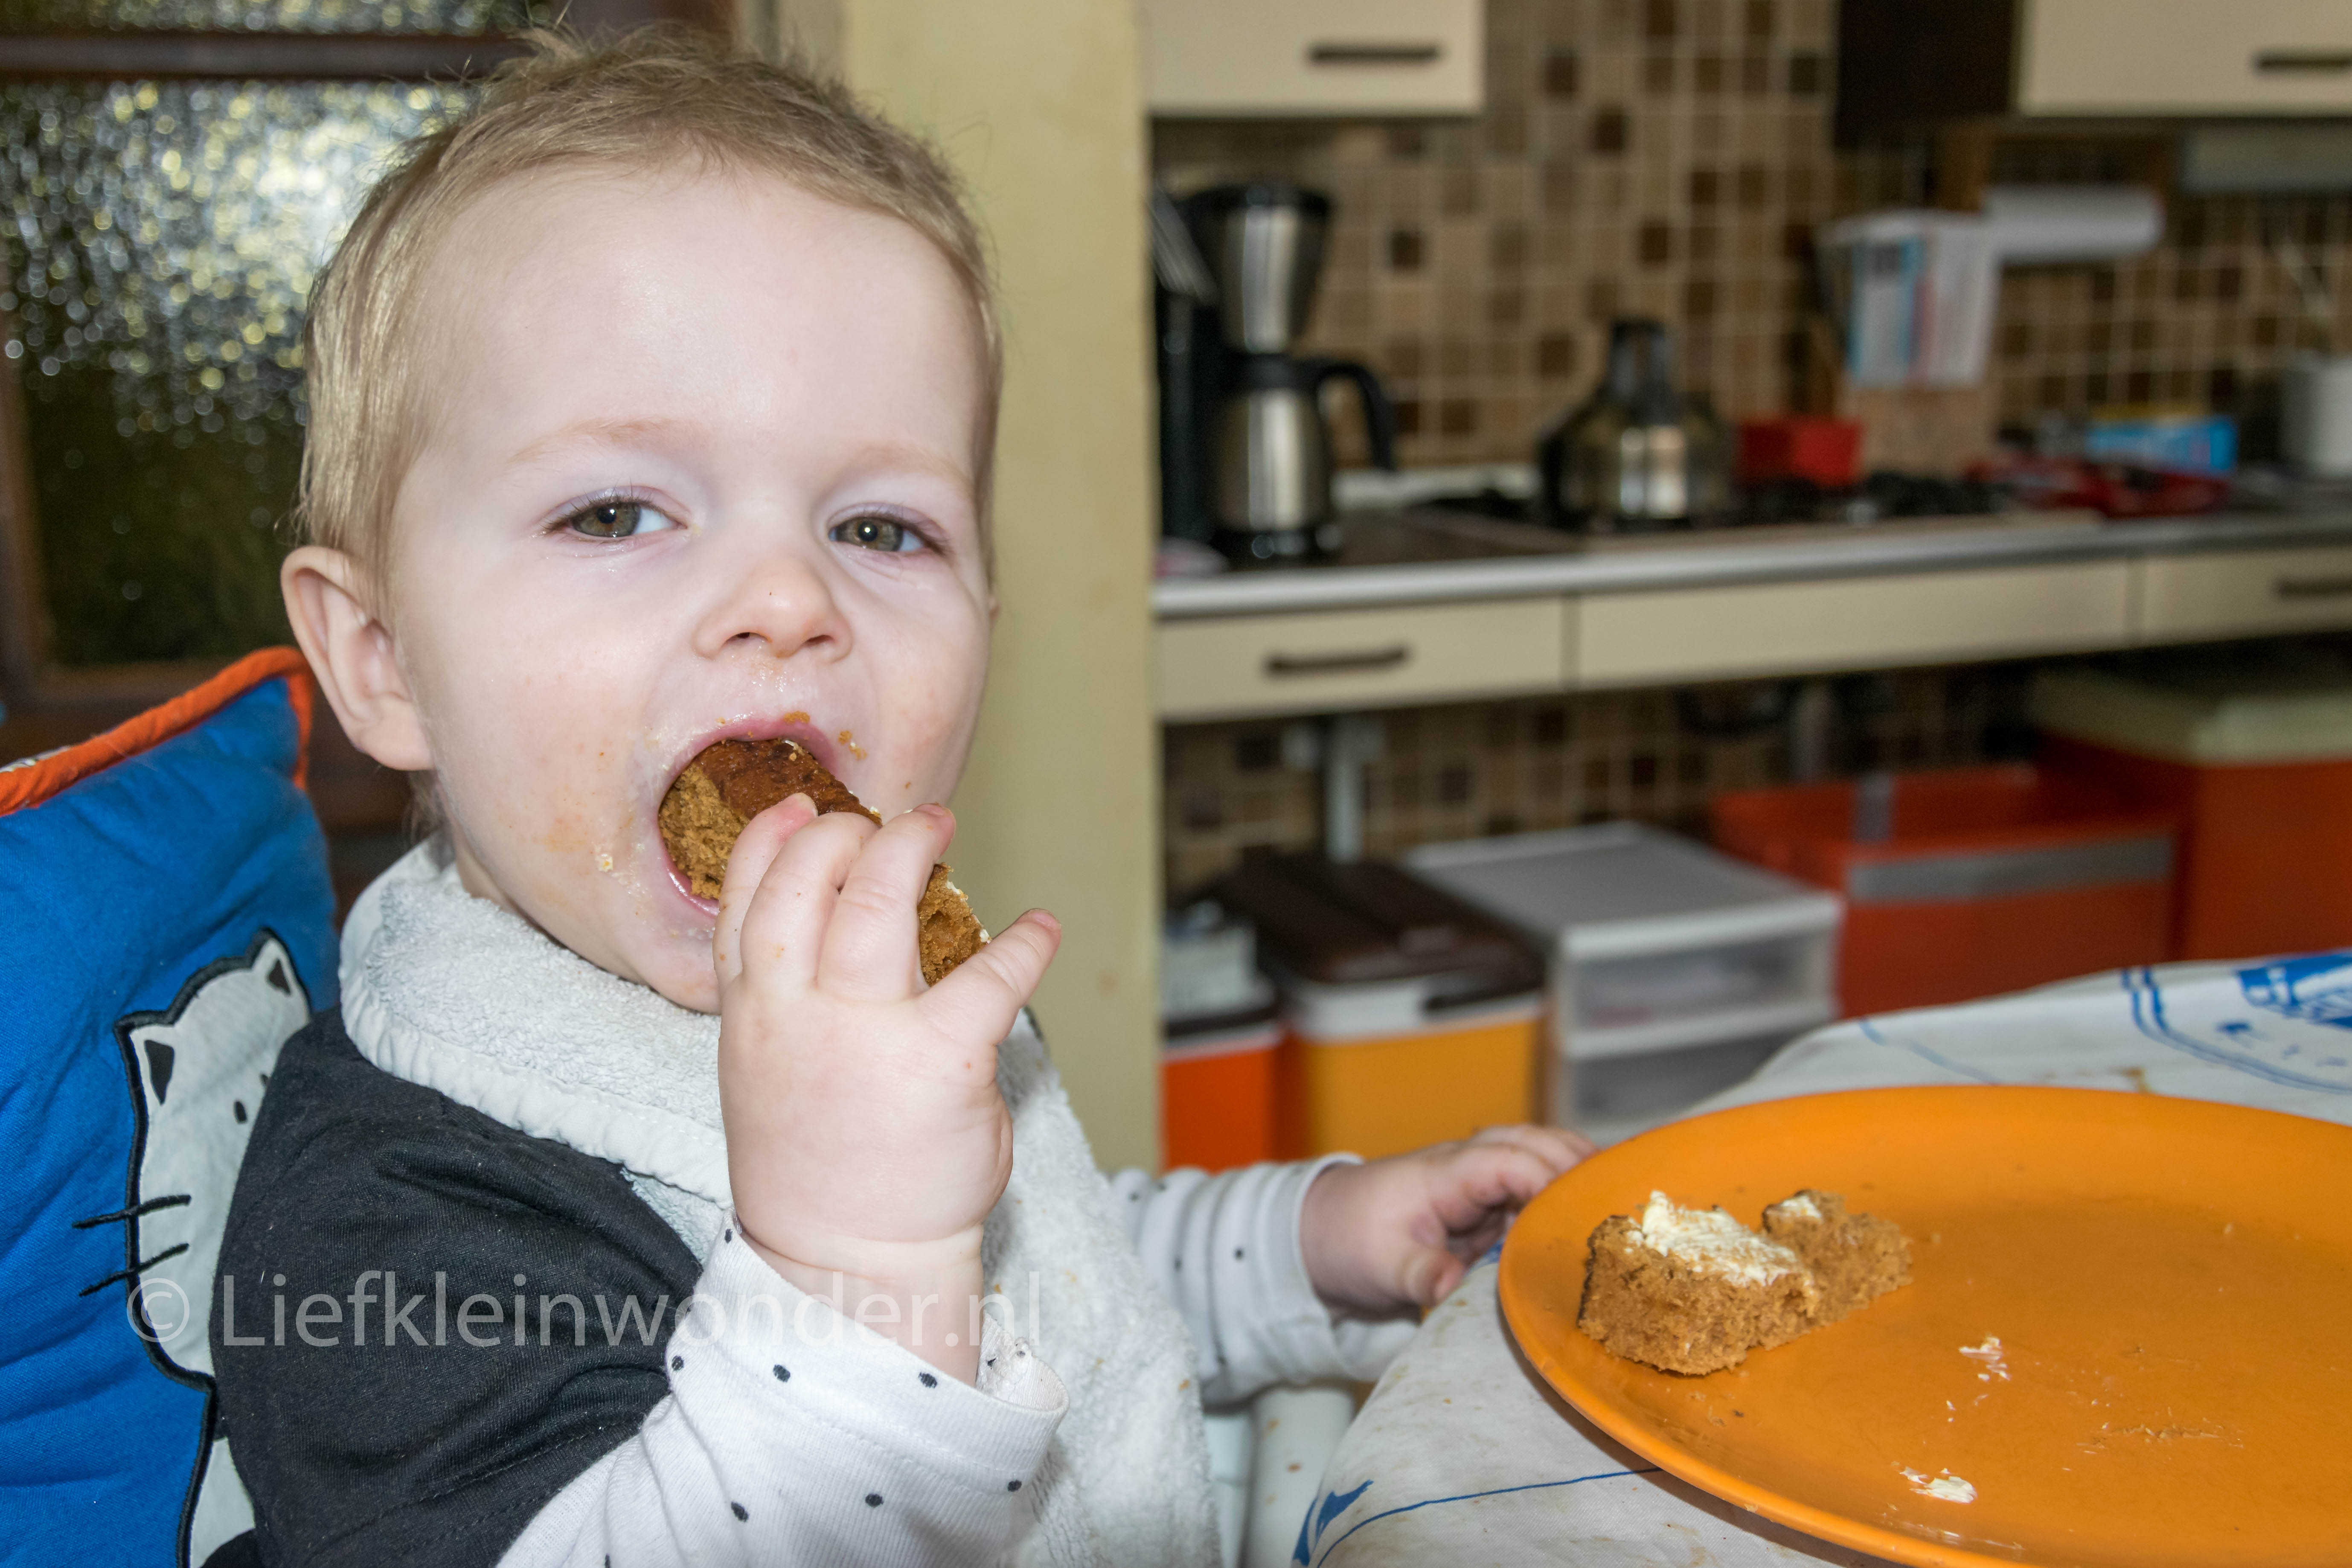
column 732, row 781
column 1694, row 1291
column 1854, row 1258
column 1691, row 1290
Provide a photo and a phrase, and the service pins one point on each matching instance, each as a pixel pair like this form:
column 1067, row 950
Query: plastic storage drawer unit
column 1674, row 970
column 1968, row 882
column 1411, row 1018
column 2253, row 755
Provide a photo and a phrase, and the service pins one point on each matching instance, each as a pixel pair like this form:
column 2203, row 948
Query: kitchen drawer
column 1908, row 63
column 2245, row 593
column 1234, row 666
column 2185, row 57
column 1313, row 57
column 1777, row 628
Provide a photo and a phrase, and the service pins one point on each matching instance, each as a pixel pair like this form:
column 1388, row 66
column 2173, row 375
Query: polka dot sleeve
column 792, row 1434
column 1225, row 1248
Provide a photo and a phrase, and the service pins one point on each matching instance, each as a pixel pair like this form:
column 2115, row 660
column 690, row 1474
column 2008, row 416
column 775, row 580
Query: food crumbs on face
column 855, row 749
column 605, row 861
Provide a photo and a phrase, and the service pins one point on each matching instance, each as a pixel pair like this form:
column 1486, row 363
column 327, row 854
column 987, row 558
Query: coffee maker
column 1245, row 455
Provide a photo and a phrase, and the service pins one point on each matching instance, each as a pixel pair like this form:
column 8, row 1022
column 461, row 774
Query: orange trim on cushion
column 31, row 785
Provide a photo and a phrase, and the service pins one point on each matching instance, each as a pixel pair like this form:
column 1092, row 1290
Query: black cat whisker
column 174, row 1201
column 120, row 1275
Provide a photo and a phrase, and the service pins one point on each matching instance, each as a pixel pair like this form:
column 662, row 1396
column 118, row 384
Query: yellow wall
column 1039, row 104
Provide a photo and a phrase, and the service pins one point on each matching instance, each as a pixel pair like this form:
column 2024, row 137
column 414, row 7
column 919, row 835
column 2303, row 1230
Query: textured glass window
column 269, row 15
column 161, row 245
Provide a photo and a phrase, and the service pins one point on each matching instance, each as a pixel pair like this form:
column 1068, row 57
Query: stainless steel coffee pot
column 1273, row 450
column 1270, row 450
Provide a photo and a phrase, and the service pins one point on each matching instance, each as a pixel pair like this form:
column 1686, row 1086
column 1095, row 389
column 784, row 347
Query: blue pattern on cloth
column 1335, row 1504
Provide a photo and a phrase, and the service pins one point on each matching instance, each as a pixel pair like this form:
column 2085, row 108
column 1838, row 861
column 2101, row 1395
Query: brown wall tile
column 1632, row 158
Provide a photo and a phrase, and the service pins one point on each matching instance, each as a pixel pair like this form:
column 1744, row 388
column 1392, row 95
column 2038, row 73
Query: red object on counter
column 1968, row 882
column 2266, row 848
column 2112, row 490
column 1800, row 446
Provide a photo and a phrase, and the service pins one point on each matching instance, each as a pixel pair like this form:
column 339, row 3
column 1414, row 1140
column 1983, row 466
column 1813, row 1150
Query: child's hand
column 865, row 1132
column 1397, row 1235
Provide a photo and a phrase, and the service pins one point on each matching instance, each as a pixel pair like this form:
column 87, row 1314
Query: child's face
column 701, row 464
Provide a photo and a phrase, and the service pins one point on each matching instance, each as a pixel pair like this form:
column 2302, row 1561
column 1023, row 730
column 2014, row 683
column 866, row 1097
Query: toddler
column 652, row 404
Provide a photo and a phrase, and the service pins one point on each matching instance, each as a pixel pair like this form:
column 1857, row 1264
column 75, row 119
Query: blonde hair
column 644, row 100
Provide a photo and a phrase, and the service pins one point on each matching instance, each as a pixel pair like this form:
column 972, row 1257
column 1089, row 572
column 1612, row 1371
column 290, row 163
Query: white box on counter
column 1671, row 964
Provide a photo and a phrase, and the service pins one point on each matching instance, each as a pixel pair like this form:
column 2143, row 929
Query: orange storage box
column 1217, row 1090
column 1411, row 1018
column 1968, row 882
column 1378, row 1070
column 2252, row 751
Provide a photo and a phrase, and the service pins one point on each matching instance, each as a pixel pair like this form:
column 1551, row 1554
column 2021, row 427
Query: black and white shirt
column 442, row 1338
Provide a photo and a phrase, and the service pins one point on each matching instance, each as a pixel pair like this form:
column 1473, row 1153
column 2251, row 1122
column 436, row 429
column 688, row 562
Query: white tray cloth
column 1463, row 1455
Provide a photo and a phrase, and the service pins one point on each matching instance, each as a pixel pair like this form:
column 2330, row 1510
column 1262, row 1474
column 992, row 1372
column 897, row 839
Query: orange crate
column 2265, row 848
column 1386, row 1093
column 1217, row 1097
column 1968, row 882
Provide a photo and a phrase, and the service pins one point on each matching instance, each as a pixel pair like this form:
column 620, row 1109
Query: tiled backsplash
column 1671, row 158
column 1482, row 768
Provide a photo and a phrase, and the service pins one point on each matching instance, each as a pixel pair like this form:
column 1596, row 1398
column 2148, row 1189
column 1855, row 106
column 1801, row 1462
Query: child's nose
column 780, row 605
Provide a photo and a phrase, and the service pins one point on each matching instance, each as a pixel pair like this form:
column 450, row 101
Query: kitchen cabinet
column 1901, row 62
column 1282, row 58
column 1326, row 661
column 1740, row 604
column 2245, row 593
column 1781, row 629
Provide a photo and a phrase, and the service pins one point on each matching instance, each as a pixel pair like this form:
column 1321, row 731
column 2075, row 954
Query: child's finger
column 1480, row 1178
column 1430, row 1275
column 755, row 850
column 870, row 952
column 987, row 990
column 1556, row 1147
column 784, row 926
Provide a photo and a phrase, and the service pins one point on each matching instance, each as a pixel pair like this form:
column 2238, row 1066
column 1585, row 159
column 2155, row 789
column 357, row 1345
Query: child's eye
column 884, row 533
column 617, row 519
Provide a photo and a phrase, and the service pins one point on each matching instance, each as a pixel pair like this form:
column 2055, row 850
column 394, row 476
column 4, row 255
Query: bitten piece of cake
column 1691, row 1290
column 1855, row 1258
column 734, row 781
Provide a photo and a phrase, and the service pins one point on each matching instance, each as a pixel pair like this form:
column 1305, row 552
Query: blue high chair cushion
column 171, row 924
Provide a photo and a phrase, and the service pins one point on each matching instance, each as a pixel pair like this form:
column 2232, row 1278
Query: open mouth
column 731, row 777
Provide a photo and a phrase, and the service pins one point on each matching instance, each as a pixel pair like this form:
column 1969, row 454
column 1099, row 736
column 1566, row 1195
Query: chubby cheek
column 535, row 768
column 534, row 790
column 926, row 708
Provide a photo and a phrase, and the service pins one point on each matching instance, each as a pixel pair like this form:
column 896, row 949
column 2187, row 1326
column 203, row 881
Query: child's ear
column 351, row 654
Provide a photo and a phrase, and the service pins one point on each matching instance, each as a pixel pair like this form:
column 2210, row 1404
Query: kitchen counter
column 1427, row 606
column 1513, row 565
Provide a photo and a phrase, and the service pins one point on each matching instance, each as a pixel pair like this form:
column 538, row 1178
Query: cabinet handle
column 2312, row 588
column 1349, row 662
column 1341, row 54
column 2299, row 62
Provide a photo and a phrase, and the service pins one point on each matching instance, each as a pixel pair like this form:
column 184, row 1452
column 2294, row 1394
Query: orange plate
column 2170, row 1282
